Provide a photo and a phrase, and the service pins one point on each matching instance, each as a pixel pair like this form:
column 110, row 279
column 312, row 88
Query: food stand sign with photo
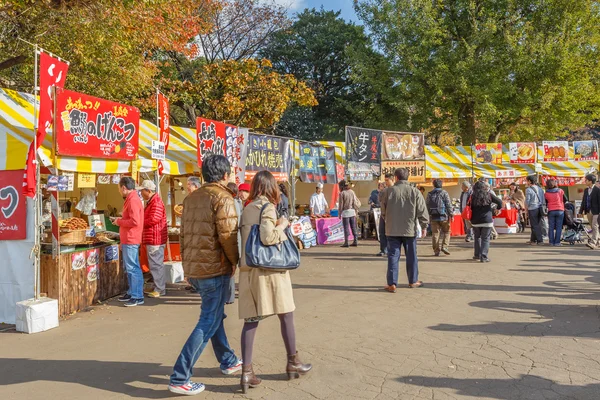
column 363, row 146
column 269, row 153
column 13, row 210
column 403, row 146
column 488, row 153
column 87, row 126
column 522, row 153
column 416, row 169
column 317, row 164
column 556, row 151
column 586, row 150
column 210, row 138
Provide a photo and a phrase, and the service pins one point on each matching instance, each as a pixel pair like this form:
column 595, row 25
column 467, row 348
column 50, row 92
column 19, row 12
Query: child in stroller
column 573, row 226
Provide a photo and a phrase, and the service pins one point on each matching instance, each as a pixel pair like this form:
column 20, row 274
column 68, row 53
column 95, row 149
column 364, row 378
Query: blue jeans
column 135, row 278
column 555, row 222
column 214, row 292
column 412, row 264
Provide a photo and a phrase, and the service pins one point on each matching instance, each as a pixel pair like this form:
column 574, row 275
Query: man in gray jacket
column 403, row 208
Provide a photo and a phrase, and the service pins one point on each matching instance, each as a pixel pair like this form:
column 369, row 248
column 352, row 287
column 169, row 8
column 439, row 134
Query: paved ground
column 525, row 326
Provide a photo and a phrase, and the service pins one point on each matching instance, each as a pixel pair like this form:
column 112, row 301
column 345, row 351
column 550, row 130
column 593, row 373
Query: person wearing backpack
column 440, row 214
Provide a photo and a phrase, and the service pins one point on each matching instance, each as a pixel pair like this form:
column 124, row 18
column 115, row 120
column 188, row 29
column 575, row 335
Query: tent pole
column 293, row 180
column 36, row 202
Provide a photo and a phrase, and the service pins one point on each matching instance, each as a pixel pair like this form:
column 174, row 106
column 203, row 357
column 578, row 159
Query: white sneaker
column 233, row 369
column 189, row 389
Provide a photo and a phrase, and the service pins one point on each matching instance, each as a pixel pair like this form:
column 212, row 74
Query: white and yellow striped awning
column 489, row 170
column 16, row 133
column 448, row 162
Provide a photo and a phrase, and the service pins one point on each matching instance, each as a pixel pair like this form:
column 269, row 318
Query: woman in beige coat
column 265, row 292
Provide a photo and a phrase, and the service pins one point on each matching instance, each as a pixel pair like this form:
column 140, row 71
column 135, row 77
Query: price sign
column 158, row 150
column 86, row 180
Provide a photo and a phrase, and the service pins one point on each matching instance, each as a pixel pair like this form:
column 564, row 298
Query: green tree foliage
column 351, row 81
column 489, row 70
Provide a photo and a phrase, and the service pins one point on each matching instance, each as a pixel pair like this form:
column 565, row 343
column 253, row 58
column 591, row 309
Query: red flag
column 53, row 72
column 164, row 125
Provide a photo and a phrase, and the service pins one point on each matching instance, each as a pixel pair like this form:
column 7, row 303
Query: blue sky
column 336, row 5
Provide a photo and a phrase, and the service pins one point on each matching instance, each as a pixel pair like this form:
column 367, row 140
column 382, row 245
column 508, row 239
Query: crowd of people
column 218, row 217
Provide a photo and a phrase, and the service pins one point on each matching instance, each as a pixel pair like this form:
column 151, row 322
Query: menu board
column 522, row 152
column 416, row 169
column 488, row 153
column 87, row 126
column 317, row 164
column 556, row 150
column 403, row 146
column 268, row 153
column 586, row 150
column 363, row 145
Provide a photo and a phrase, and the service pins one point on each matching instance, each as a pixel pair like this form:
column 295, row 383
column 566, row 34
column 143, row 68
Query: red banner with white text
column 53, row 72
column 87, row 126
column 13, row 210
column 210, row 137
column 164, row 125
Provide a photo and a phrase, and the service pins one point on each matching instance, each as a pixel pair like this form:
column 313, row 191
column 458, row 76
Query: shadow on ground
column 525, row 388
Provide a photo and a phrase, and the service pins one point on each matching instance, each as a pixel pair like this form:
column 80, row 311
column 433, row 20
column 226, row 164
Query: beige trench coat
column 263, row 292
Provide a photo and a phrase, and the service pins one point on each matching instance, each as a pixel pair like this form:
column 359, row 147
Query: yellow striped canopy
column 16, row 133
column 448, row 162
column 573, row 169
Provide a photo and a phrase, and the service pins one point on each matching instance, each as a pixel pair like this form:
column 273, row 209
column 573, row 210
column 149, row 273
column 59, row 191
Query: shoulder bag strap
column 261, row 211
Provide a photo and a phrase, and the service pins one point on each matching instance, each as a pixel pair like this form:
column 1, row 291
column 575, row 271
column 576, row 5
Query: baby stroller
column 573, row 229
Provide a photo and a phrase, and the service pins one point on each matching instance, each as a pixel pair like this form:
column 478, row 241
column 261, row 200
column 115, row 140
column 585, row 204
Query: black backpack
column 435, row 203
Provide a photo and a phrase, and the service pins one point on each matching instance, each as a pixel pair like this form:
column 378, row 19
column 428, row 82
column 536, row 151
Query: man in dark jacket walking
column 209, row 248
column 154, row 236
column 590, row 207
column 440, row 213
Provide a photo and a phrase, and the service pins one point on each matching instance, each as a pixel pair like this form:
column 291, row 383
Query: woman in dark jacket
column 284, row 203
column 482, row 218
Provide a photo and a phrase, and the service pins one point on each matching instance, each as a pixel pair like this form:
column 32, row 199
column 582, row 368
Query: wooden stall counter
column 82, row 276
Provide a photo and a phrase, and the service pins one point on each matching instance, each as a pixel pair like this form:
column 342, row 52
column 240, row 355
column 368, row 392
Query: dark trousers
column 412, row 264
column 352, row 222
column 382, row 237
column 482, row 241
column 535, row 220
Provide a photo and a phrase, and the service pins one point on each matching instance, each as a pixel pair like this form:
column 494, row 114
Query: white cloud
column 293, row 5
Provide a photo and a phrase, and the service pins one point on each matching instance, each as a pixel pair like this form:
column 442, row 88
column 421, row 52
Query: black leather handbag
column 282, row 256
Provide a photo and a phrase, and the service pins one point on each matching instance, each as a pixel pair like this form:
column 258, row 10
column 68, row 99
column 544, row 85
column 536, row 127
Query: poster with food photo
column 78, row 260
column 556, row 150
column 586, row 150
column 488, row 153
column 522, row 153
column 403, row 146
column 93, row 258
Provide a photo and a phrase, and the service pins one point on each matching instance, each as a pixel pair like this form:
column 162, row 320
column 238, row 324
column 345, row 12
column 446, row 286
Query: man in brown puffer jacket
column 209, row 247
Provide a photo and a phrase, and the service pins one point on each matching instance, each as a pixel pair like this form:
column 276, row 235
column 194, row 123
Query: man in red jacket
column 155, row 236
column 130, row 226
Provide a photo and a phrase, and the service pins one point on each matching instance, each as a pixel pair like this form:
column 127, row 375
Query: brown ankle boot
column 295, row 368
column 248, row 378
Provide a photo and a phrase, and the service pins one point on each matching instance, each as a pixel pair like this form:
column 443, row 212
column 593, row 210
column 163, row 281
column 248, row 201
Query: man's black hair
column 127, row 182
column 389, row 176
column 531, row 179
column 438, row 183
column 401, row 174
column 591, row 178
column 214, row 168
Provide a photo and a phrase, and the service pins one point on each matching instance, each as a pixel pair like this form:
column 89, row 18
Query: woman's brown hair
column 551, row 184
column 264, row 184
